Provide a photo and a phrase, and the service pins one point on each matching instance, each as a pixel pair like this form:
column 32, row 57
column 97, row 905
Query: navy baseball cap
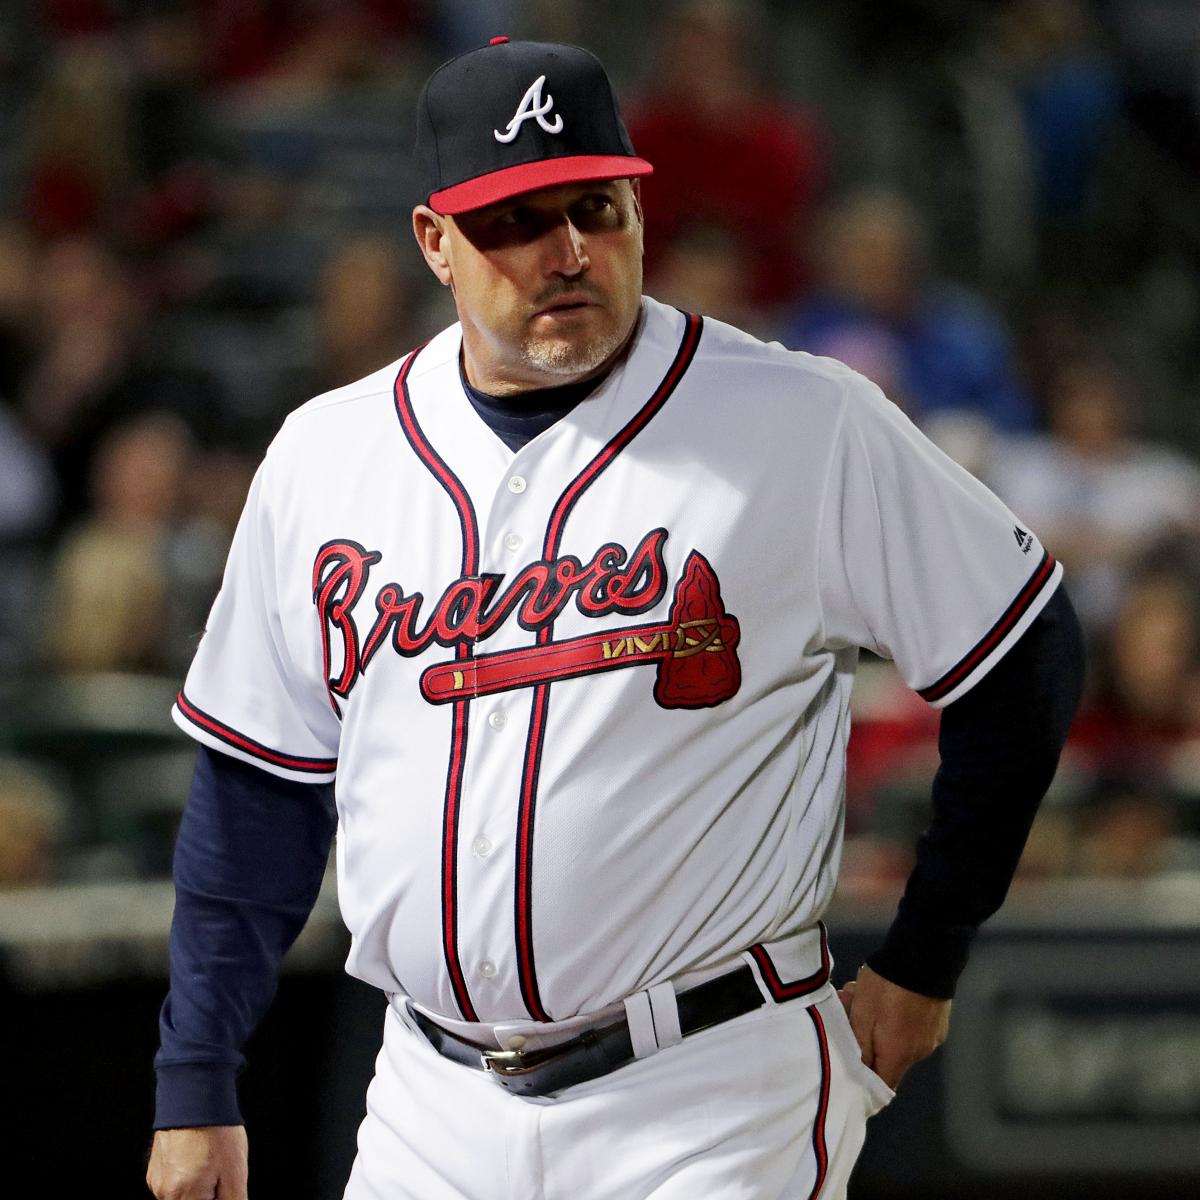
column 515, row 116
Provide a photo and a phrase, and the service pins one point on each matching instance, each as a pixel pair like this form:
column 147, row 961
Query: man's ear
column 429, row 228
column 635, row 186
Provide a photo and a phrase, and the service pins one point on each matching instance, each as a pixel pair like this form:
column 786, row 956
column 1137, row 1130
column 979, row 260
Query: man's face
column 547, row 284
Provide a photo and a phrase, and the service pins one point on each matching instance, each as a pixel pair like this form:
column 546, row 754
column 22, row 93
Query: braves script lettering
column 471, row 609
column 694, row 650
column 339, row 577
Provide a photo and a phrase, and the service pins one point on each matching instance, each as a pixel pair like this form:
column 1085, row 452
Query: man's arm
column 249, row 860
column 999, row 747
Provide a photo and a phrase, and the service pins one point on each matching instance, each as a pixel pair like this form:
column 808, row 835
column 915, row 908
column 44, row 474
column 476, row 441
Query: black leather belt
column 598, row 1051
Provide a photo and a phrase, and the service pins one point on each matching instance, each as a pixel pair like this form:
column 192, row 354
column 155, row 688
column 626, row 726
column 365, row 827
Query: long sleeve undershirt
column 999, row 747
column 252, row 848
column 249, row 860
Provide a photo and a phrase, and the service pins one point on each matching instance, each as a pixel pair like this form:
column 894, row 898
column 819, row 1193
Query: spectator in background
column 79, row 173
column 365, row 311
column 1099, row 497
column 32, row 820
column 303, row 47
column 368, row 304
column 727, row 154
column 1145, row 703
column 934, row 348
column 67, row 19
column 110, row 584
column 1128, row 829
column 119, row 144
column 213, row 495
column 704, row 269
column 27, row 491
column 18, row 268
column 27, row 504
column 172, row 143
column 84, row 317
column 1067, row 94
column 1158, row 44
column 93, row 366
column 461, row 25
column 28, row 494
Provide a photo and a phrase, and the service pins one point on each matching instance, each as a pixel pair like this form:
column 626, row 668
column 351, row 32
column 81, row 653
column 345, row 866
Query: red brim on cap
column 528, row 177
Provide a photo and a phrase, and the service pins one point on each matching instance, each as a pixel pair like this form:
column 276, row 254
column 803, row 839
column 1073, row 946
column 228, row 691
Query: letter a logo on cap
column 531, row 106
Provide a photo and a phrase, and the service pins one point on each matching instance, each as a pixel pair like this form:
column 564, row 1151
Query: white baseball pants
column 772, row 1105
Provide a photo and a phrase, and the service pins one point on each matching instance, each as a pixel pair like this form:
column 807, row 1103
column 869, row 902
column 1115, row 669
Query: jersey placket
column 486, row 852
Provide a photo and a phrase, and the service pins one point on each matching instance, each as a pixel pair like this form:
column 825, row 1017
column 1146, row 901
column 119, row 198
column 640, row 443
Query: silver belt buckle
column 512, row 1064
column 506, row 1063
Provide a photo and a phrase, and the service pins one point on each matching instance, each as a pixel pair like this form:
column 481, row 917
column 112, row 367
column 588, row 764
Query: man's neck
column 518, row 417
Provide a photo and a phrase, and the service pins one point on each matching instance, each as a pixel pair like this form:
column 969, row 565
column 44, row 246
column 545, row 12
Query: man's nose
column 567, row 251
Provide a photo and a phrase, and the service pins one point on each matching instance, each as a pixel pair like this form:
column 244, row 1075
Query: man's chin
column 565, row 356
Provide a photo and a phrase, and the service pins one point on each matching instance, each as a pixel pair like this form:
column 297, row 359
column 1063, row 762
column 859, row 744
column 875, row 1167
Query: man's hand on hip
column 894, row 1027
column 199, row 1164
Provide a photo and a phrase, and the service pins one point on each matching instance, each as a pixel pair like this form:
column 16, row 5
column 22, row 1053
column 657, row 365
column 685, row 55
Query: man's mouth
column 565, row 304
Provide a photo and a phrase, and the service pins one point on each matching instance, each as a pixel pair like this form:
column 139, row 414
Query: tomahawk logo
column 532, row 107
column 694, row 651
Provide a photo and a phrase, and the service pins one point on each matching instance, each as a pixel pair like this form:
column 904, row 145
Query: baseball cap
column 514, row 116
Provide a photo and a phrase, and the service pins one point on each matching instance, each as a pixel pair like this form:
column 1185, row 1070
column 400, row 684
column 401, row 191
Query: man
column 570, row 599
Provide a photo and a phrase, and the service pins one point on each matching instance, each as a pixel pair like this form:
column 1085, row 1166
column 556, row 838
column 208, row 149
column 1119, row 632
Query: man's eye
column 515, row 218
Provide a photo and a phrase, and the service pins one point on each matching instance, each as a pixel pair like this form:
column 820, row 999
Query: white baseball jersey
column 587, row 704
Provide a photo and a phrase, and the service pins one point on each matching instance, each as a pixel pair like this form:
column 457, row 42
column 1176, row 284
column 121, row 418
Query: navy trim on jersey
column 781, row 991
column 994, row 636
column 469, row 526
column 820, row 1150
column 247, row 745
column 526, row 972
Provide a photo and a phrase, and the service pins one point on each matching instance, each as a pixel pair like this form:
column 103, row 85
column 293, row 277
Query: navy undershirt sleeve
column 249, row 860
column 999, row 747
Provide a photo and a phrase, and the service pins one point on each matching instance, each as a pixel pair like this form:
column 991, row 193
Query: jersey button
column 482, row 847
column 487, row 968
column 517, row 484
column 513, row 542
column 497, row 721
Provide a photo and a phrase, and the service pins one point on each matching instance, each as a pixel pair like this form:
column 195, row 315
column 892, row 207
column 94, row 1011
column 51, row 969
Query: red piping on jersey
column 781, row 991
column 994, row 636
column 458, row 738
column 526, row 972
column 231, row 737
column 820, row 1151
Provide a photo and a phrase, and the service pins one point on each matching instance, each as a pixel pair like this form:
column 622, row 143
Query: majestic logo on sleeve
column 1024, row 540
column 694, row 650
column 532, row 107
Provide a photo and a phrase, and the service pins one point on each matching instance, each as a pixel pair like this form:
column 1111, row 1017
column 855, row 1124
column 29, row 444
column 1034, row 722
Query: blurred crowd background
column 990, row 209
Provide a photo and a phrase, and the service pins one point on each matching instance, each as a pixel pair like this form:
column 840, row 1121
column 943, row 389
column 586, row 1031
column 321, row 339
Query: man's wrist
column 192, row 1094
column 923, row 956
